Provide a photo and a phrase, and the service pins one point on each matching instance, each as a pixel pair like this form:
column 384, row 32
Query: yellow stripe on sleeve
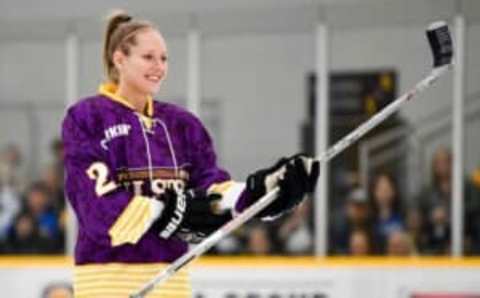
column 230, row 191
column 221, row 187
column 132, row 223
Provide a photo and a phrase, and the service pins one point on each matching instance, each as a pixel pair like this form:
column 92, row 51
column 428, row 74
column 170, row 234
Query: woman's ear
column 118, row 58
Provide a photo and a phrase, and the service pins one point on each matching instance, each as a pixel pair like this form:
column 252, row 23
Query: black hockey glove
column 191, row 216
column 296, row 176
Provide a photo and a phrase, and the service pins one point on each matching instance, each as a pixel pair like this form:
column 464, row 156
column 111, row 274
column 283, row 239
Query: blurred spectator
column 438, row 232
column 39, row 205
column 344, row 180
column 359, row 244
column 42, row 219
column 352, row 216
column 58, row 158
column 9, row 189
column 10, row 162
column 58, row 290
column 259, row 241
column 62, row 230
column 386, row 208
column 53, row 183
column 229, row 245
column 399, row 244
column 472, row 216
column 435, row 204
column 296, row 232
column 24, row 238
column 476, row 178
column 439, row 192
column 414, row 228
column 9, row 207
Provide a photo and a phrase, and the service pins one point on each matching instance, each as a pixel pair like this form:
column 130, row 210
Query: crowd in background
column 379, row 221
column 375, row 220
column 32, row 212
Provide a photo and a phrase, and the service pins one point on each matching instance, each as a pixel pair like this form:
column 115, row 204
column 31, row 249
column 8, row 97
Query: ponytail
column 119, row 34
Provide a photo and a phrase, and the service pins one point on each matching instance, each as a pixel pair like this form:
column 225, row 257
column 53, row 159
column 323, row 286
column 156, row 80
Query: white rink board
column 256, row 282
column 333, row 283
column 283, row 282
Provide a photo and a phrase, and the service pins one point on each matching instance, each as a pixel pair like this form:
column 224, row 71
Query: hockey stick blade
column 440, row 41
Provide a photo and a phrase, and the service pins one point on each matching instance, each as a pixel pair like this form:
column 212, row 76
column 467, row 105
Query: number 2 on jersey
column 98, row 171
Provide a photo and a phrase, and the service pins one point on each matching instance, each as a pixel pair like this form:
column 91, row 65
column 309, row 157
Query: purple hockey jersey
column 116, row 159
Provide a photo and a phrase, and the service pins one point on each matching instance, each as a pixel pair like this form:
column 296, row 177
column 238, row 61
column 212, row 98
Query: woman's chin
column 150, row 90
column 153, row 89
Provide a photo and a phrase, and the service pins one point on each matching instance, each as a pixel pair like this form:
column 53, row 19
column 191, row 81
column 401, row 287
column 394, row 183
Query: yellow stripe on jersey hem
column 131, row 224
column 101, row 284
column 121, row 280
column 137, row 277
column 124, row 294
column 128, row 286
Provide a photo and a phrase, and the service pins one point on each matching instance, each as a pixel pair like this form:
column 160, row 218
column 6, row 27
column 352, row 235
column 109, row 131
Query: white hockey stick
column 440, row 42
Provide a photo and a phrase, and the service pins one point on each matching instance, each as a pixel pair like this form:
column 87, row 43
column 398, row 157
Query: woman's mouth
column 153, row 78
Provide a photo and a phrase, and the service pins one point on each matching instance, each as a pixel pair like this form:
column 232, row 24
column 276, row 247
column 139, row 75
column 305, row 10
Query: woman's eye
column 151, row 57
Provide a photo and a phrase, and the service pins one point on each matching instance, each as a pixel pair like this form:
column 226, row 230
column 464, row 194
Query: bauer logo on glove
column 296, row 176
column 191, row 215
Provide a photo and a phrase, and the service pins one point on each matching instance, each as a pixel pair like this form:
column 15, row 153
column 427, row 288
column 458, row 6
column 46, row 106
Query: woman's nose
column 159, row 64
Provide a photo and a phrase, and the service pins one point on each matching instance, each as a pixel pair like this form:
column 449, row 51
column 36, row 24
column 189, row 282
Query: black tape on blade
column 440, row 41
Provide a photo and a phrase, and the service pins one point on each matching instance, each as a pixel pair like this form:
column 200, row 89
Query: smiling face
column 145, row 66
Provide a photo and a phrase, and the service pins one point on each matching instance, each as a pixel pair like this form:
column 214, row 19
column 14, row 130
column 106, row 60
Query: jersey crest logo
column 114, row 132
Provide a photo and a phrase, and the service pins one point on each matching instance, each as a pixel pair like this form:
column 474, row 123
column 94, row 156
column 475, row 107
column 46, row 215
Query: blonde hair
column 120, row 34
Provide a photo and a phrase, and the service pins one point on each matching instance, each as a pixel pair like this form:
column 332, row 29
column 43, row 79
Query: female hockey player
column 141, row 175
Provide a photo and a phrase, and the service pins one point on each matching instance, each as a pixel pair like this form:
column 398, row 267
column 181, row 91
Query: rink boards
column 291, row 277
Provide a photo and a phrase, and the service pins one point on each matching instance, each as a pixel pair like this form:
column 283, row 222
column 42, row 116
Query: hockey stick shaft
column 378, row 118
column 442, row 50
column 255, row 208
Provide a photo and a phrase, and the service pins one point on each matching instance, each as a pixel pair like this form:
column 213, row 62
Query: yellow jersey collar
column 109, row 89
